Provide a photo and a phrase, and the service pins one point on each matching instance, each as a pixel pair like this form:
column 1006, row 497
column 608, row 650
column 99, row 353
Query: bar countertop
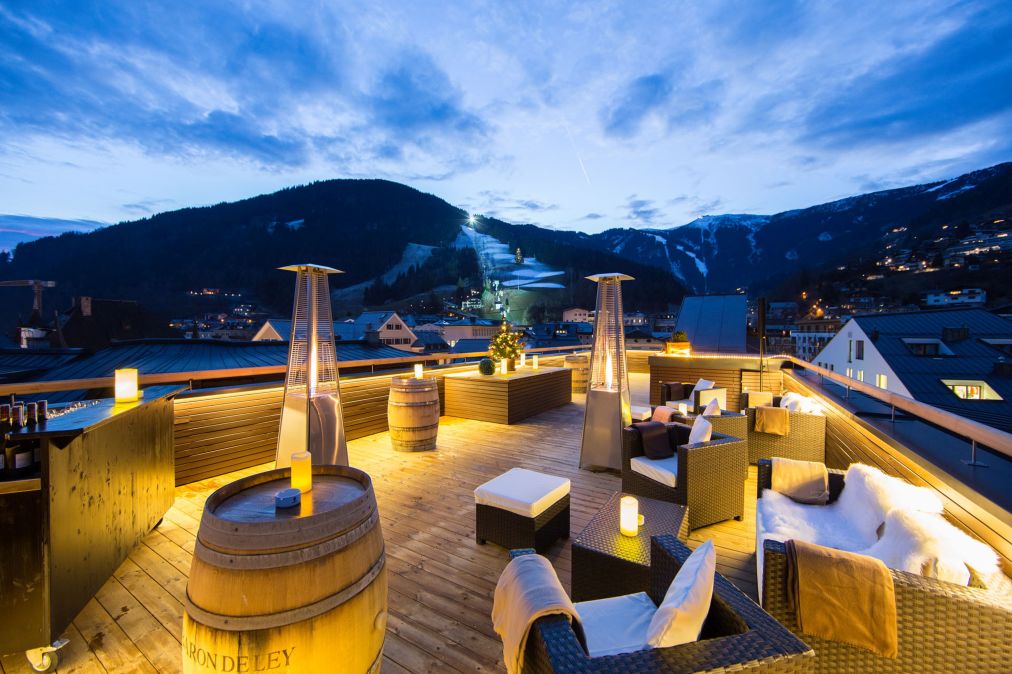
column 94, row 415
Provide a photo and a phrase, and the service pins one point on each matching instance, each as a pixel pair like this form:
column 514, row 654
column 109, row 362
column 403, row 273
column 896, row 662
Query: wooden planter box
column 509, row 398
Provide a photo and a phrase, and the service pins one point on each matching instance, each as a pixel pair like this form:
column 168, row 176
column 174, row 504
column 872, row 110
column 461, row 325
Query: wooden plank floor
column 441, row 582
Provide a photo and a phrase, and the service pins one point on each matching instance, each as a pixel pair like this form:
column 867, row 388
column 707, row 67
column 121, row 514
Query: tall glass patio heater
column 311, row 417
column 608, row 410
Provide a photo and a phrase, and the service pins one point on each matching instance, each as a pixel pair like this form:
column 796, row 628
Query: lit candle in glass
column 419, row 370
column 126, row 385
column 534, row 362
column 503, row 366
column 302, row 471
column 629, row 516
column 523, row 360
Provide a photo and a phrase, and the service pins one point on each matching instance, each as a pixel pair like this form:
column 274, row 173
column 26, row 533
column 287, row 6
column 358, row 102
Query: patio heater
column 608, row 410
column 311, row 419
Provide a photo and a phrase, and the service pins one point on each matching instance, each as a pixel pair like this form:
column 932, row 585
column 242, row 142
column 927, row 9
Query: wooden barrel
column 413, row 413
column 580, row 365
column 296, row 590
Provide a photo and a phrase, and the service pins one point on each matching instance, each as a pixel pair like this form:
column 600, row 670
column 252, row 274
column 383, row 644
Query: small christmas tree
column 506, row 344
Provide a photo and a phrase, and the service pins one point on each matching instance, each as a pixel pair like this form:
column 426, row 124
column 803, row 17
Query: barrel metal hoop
column 280, row 557
column 282, row 618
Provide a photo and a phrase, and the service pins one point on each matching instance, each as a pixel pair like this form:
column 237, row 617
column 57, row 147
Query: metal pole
column 973, row 456
column 312, row 347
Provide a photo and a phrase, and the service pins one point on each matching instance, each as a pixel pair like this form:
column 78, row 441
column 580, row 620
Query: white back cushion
column 701, row 431
column 792, row 401
column 701, row 385
column 869, row 494
column 712, row 409
column 680, row 616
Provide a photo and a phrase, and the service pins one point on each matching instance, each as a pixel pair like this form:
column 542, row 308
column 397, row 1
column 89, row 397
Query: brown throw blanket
column 802, row 481
column 773, row 420
column 527, row 590
column 663, row 414
column 842, row 596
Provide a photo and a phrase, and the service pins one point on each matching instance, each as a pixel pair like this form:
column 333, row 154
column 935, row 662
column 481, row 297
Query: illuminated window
column 970, row 389
column 881, row 381
column 860, row 375
column 850, row 372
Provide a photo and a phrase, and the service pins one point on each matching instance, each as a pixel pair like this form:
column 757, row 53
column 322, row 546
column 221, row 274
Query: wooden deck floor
column 441, row 582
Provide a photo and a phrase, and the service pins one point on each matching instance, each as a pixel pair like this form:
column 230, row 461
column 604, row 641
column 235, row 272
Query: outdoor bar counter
column 507, row 398
column 106, row 479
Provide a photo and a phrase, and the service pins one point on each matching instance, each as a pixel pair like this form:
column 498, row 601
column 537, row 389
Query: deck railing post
column 973, row 456
column 892, row 414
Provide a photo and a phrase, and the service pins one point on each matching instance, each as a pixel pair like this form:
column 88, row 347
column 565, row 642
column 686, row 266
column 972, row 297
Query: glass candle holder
column 683, row 409
column 523, row 360
column 302, row 471
column 629, row 516
column 534, row 361
column 503, row 366
column 419, row 370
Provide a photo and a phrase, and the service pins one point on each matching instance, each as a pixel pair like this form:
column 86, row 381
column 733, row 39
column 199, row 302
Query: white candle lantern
column 419, row 370
column 629, row 516
column 503, row 366
column 126, row 385
column 534, row 361
column 683, row 409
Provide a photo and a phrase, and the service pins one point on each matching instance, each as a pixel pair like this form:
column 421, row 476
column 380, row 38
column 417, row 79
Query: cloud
column 15, row 229
column 959, row 80
column 641, row 212
column 639, row 98
column 502, row 205
column 592, row 216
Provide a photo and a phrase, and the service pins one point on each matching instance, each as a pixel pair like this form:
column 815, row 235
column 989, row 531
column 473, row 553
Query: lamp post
column 311, row 418
column 608, row 404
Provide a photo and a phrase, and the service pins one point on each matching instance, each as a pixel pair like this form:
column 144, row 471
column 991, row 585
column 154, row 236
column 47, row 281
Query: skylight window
column 927, row 347
column 971, row 389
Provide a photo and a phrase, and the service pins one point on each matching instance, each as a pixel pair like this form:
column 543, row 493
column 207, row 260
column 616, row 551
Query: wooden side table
column 607, row 563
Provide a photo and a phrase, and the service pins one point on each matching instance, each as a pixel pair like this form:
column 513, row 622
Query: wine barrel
column 413, row 413
column 302, row 589
column 580, row 365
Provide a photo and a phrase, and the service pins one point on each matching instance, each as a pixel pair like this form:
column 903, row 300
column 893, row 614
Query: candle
column 126, row 385
column 18, row 415
column 535, row 363
column 419, row 370
column 629, row 516
column 523, row 360
column 503, row 367
column 302, row 471
column 32, row 413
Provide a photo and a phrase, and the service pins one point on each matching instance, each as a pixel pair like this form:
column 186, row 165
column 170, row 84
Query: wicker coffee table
column 608, row 564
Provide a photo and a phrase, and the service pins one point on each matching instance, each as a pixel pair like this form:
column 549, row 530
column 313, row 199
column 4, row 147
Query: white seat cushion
column 679, row 619
column 616, row 624
column 701, row 431
column 664, row 471
column 640, row 412
column 523, row 492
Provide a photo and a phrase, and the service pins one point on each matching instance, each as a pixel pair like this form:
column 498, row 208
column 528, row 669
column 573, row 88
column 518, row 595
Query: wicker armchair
column 677, row 392
column 737, row 634
column 943, row 627
column 806, row 440
column 710, row 476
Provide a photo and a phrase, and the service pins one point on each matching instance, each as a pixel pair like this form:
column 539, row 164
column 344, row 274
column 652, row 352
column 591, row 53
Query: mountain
column 363, row 227
column 724, row 252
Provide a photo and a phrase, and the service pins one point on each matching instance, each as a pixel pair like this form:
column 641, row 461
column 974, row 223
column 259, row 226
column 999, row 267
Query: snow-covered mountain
column 720, row 253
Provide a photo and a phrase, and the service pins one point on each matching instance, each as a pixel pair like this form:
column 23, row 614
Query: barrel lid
column 242, row 515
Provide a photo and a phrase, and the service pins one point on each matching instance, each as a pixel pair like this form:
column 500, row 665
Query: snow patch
column 296, row 224
column 953, row 193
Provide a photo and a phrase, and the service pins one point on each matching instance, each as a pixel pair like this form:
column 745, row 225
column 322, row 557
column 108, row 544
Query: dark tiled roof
column 430, row 339
column 158, row 356
column 714, row 322
column 974, row 359
column 470, row 345
column 24, row 362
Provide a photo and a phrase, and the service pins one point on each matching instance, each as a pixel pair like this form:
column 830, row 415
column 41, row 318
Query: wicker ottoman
column 522, row 509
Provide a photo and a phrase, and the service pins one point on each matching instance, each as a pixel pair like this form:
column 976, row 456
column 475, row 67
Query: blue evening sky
column 582, row 115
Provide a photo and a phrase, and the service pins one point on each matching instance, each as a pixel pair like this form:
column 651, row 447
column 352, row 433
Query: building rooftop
column 972, row 358
column 714, row 322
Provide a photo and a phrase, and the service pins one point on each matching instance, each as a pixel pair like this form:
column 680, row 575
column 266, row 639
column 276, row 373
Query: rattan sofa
column 806, row 440
column 943, row 627
column 737, row 634
column 676, row 392
column 710, row 475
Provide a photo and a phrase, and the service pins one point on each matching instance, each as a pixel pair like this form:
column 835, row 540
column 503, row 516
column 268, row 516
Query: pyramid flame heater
column 311, row 418
column 608, row 406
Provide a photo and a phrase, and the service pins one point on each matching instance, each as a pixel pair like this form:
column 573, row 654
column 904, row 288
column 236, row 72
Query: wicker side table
column 608, row 564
